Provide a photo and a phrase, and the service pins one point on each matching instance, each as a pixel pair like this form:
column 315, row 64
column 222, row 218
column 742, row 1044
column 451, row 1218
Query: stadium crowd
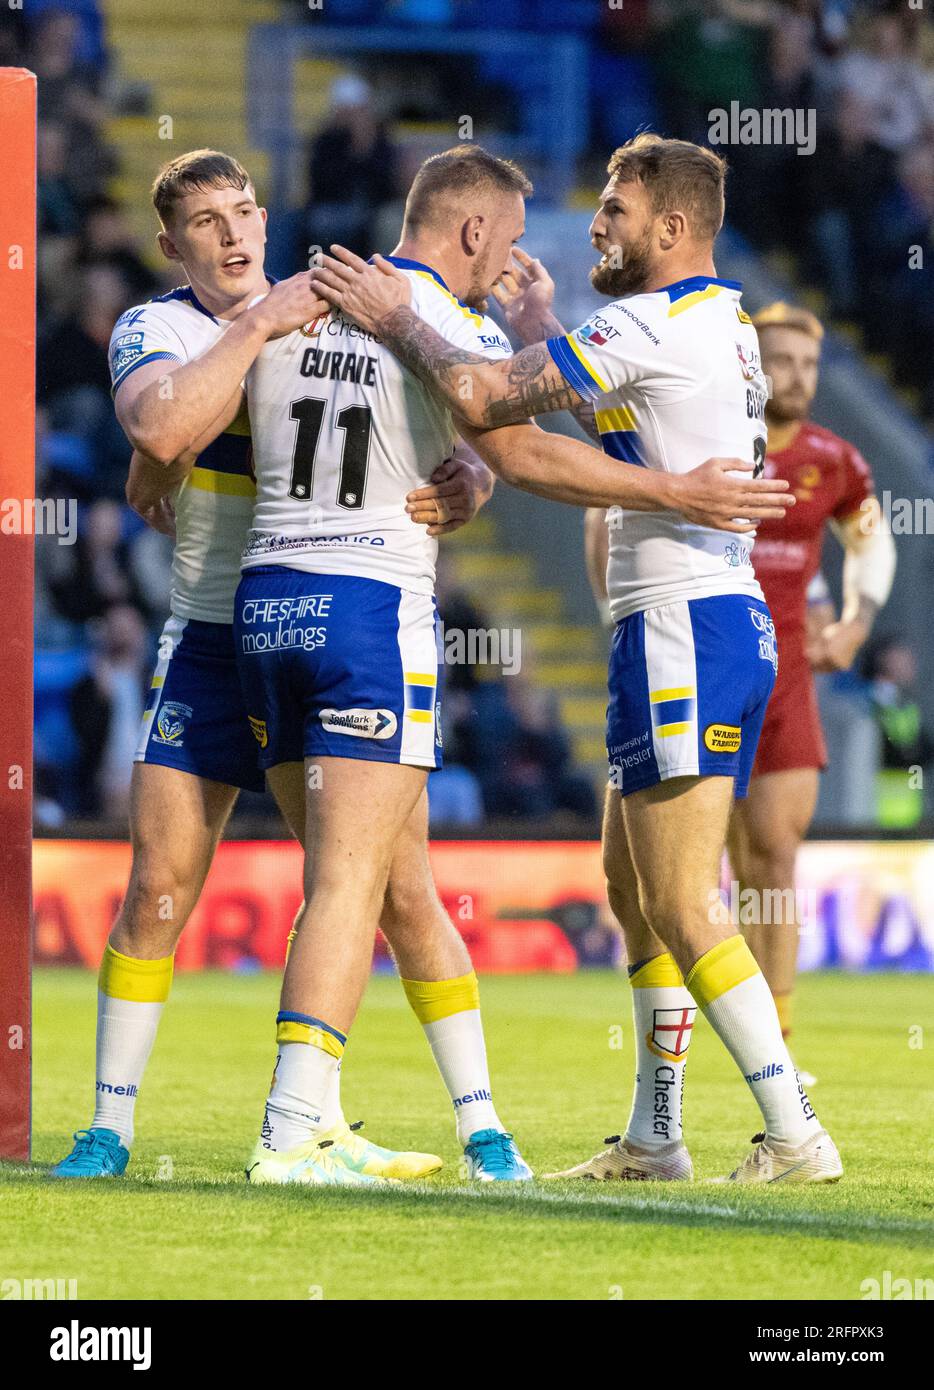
column 849, row 212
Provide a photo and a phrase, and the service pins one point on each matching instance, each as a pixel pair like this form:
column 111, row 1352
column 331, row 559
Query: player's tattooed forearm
column 532, row 384
column 429, row 356
column 534, row 388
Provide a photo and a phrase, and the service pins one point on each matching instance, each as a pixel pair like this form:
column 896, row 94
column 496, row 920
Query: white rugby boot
column 816, row 1160
column 628, row 1162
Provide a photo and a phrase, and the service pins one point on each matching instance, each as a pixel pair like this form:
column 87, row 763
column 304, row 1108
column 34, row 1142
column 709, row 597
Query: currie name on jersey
column 339, row 366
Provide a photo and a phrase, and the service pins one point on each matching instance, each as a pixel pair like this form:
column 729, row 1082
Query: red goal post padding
column 17, row 487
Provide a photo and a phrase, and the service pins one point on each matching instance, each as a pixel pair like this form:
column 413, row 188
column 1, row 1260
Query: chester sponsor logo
column 723, row 738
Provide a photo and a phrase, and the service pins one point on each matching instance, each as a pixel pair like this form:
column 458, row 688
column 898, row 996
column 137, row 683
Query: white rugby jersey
column 342, row 432
column 214, row 504
column 675, row 377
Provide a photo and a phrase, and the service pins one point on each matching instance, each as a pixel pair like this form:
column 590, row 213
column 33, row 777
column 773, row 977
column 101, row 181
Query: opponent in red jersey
column 832, row 483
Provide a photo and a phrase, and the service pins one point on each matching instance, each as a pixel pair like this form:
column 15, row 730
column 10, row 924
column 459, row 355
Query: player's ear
column 673, row 230
column 472, row 234
column 168, row 248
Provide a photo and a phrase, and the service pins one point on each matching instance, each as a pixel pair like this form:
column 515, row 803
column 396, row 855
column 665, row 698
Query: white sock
column 459, row 1049
column 126, row 1031
column 738, row 1004
column 449, row 1012
column 663, row 1013
column 304, row 1098
column 130, row 999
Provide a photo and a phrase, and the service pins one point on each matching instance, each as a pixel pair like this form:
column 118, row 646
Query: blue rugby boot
column 492, row 1156
column 98, row 1153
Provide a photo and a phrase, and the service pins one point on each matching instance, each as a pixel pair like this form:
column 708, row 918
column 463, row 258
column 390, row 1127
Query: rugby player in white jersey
column 672, row 370
column 176, row 362
column 337, row 635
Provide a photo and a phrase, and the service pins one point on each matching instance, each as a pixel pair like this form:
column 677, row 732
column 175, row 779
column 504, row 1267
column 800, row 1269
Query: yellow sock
column 449, row 1012
column 305, row 1095
column 131, row 995
column 732, row 991
column 720, row 969
column 434, row 999
column 663, row 1015
column 142, row 981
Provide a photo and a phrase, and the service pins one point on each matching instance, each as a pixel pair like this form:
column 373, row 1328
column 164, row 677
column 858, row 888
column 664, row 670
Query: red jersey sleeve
column 857, row 483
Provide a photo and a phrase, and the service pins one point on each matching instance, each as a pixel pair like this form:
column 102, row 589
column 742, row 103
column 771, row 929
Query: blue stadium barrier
column 551, row 73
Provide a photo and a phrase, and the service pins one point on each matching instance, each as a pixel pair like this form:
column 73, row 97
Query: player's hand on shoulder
column 363, row 291
column 525, row 293
column 722, row 493
column 289, row 305
column 457, row 490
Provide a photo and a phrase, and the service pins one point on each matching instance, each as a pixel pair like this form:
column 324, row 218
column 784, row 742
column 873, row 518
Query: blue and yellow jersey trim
column 225, row 466
column 685, row 294
column 425, row 272
column 689, row 300
column 568, row 357
column 619, row 435
column 155, row 355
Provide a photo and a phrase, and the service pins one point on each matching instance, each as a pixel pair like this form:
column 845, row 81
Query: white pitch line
column 834, row 1223
column 838, row 1222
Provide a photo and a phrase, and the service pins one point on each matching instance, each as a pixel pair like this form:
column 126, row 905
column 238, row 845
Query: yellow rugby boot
column 347, row 1147
column 307, row 1164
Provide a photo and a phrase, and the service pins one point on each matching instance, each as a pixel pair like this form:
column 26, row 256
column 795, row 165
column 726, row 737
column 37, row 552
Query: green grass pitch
column 183, row 1223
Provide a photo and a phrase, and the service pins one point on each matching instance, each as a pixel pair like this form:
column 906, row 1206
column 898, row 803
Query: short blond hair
column 782, row 315
column 466, row 169
column 677, row 174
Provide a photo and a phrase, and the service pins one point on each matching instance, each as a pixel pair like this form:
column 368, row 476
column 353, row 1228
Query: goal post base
column 17, row 487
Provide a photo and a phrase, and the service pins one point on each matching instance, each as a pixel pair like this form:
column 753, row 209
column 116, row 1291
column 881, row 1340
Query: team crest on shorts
column 671, row 1032
column 723, row 738
column 260, row 732
column 170, row 724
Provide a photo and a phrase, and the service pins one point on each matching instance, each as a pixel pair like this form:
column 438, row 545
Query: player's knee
column 157, row 903
column 410, row 909
column 673, row 911
column 337, row 891
column 772, row 862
